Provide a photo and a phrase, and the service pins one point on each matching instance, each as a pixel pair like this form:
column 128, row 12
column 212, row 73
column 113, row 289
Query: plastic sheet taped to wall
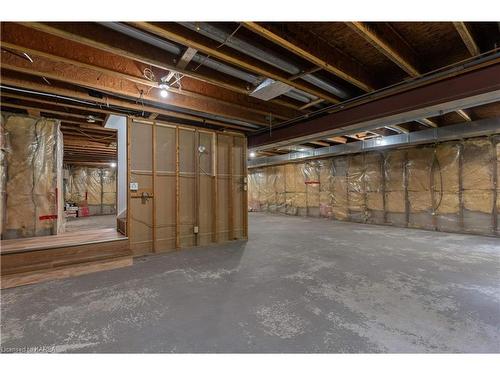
column 31, row 176
column 451, row 187
column 96, row 186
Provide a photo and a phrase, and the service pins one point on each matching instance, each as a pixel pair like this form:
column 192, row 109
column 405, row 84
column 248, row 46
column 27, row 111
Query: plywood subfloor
column 90, row 222
column 60, row 240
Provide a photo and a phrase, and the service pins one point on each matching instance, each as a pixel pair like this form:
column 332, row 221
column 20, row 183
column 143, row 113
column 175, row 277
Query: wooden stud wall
column 195, row 179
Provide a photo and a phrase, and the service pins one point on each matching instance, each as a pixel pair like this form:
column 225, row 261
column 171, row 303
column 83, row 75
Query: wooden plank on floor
column 33, row 277
column 61, row 240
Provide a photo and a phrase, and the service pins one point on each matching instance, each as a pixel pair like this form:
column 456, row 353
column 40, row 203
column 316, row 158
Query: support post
column 215, row 146
column 230, row 182
column 245, row 189
column 494, row 212
column 197, row 156
column 405, row 183
column 153, row 182
column 384, row 187
column 177, row 191
column 460, row 186
column 129, row 208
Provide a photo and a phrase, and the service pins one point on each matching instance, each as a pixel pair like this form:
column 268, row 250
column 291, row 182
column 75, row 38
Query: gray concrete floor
column 90, row 222
column 298, row 285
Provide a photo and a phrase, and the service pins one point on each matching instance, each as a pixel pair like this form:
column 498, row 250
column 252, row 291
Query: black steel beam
column 458, row 86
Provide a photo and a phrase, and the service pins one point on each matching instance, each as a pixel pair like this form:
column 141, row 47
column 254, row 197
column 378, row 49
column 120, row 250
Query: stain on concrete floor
column 298, row 285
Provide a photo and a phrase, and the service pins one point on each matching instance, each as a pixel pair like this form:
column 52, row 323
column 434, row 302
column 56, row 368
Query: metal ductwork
column 200, row 59
column 448, row 133
column 267, row 57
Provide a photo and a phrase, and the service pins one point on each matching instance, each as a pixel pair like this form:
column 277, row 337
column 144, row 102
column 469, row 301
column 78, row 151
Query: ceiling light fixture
column 113, row 165
column 253, row 154
column 163, row 89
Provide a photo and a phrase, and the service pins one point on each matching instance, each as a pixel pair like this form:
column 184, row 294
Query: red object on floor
column 83, row 211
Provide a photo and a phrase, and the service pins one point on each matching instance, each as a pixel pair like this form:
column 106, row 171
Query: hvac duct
column 447, row 133
column 270, row 58
column 200, row 59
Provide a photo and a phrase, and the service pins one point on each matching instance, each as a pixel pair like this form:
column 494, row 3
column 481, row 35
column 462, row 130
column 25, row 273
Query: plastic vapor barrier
column 450, row 187
column 94, row 186
column 31, row 176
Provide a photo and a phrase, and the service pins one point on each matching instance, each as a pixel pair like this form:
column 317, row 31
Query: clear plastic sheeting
column 32, row 152
column 451, row 186
column 91, row 186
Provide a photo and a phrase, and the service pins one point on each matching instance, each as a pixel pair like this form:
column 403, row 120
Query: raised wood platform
column 32, row 260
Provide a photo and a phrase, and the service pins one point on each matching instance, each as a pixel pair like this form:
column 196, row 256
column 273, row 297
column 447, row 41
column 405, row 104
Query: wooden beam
column 34, row 112
column 101, row 82
column 340, row 67
column 338, row 139
column 312, row 103
column 427, row 122
column 186, row 57
column 99, row 38
column 93, row 110
column 320, row 143
column 467, row 38
column 304, row 73
column 383, row 38
column 174, row 33
column 244, row 102
column 43, row 110
column 125, row 47
column 112, row 101
column 464, row 115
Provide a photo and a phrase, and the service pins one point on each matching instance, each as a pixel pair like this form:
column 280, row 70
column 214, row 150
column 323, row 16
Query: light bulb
column 113, row 165
column 252, row 154
column 164, row 93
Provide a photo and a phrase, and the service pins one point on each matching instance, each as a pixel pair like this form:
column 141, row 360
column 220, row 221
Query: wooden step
column 61, row 272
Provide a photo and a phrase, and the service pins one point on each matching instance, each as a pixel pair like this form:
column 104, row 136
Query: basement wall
column 191, row 187
column 96, row 186
column 449, row 187
column 31, row 176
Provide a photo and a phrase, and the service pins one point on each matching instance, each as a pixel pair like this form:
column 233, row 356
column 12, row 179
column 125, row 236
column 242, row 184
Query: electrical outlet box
column 196, row 230
column 134, row 186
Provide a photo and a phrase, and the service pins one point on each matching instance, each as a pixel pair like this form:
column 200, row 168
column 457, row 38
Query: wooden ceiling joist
column 467, row 38
column 337, row 139
column 176, row 34
column 103, row 39
column 186, row 57
column 382, row 37
column 101, row 82
column 244, row 102
column 464, row 115
column 112, row 102
column 45, row 110
column 332, row 61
